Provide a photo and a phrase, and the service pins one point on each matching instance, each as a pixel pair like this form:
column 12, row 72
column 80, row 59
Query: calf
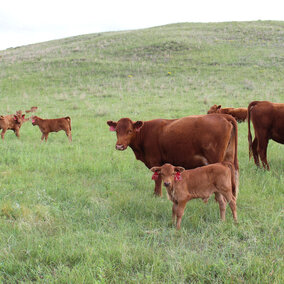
column 33, row 109
column 12, row 122
column 53, row 125
column 240, row 114
column 183, row 185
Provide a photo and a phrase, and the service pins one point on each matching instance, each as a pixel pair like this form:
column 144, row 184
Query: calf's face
column 169, row 173
column 214, row 109
column 126, row 131
column 34, row 120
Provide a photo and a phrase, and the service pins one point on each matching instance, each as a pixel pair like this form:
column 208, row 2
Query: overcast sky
column 30, row 21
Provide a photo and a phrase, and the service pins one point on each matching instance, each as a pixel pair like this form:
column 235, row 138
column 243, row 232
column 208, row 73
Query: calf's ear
column 112, row 125
column 219, row 106
column 179, row 169
column 155, row 169
column 137, row 125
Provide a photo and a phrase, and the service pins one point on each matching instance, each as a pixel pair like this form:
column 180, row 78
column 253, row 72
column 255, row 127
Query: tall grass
column 82, row 212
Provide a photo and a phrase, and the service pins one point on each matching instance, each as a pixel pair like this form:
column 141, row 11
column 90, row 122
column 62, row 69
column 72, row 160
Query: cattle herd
column 194, row 156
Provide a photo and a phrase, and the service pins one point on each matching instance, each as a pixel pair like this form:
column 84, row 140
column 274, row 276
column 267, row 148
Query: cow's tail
column 69, row 121
column 250, row 106
column 233, row 179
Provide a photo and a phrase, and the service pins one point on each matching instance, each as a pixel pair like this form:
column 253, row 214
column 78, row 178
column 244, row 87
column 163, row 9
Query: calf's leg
column 179, row 212
column 222, row 205
column 3, row 133
column 174, row 214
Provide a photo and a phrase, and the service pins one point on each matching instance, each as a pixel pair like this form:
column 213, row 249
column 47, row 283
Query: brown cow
column 201, row 182
column 12, row 122
column 33, row 109
column 268, row 122
column 53, row 125
column 191, row 141
column 240, row 114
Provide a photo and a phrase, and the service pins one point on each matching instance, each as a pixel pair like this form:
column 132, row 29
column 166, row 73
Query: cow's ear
column 156, row 169
column 179, row 169
column 137, row 125
column 15, row 117
column 112, row 125
column 23, row 116
column 219, row 106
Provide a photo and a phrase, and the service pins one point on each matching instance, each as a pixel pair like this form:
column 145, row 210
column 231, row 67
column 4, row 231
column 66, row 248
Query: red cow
column 12, row 122
column 240, row 114
column 182, row 186
column 268, row 122
column 190, row 142
column 53, row 125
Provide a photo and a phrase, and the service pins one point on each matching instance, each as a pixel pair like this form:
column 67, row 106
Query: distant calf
column 53, row 125
column 240, row 114
column 12, row 122
column 183, row 185
column 33, row 109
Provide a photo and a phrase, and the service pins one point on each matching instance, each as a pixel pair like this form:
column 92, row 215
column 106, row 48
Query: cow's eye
column 129, row 131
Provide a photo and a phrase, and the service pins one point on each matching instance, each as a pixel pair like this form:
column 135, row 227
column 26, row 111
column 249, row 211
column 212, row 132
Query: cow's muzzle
column 166, row 184
column 120, row 147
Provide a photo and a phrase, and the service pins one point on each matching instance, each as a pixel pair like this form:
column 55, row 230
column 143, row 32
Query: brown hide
column 12, row 122
column 53, row 125
column 190, row 142
column 240, row 114
column 268, row 122
column 201, row 183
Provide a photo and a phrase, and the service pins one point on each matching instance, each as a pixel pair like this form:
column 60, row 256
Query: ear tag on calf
column 112, row 128
column 155, row 176
column 178, row 176
column 15, row 118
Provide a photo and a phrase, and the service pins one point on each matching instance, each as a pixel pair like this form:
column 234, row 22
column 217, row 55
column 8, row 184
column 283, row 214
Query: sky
column 25, row 22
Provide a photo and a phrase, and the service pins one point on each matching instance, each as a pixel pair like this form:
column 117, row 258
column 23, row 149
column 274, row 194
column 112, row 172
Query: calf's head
column 126, row 131
column 214, row 109
column 169, row 173
column 19, row 118
column 34, row 120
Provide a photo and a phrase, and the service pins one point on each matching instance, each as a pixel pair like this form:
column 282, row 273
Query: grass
column 84, row 212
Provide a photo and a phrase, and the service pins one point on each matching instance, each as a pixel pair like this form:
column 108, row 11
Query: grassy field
column 83, row 212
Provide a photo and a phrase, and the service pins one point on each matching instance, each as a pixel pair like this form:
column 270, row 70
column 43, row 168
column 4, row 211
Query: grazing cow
column 240, row 114
column 190, row 142
column 12, row 122
column 33, row 109
column 53, row 125
column 268, row 122
column 201, row 182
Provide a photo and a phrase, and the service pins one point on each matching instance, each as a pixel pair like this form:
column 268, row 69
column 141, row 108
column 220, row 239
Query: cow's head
column 214, row 109
column 34, row 120
column 169, row 173
column 19, row 118
column 126, row 131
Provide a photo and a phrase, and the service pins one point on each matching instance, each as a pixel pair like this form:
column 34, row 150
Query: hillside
column 83, row 211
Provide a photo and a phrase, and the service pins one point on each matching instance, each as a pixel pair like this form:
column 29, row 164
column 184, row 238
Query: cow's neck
column 137, row 146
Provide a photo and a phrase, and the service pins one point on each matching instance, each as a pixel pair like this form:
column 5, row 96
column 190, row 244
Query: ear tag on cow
column 178, row 176
column 155, row 176
column 15, row 118
column 112, row 128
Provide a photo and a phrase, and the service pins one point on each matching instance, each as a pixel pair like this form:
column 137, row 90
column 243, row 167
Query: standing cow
column 268, row 122
column 190, row 142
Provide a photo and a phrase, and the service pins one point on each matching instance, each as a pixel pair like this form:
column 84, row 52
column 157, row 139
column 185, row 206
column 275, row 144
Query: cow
column 190, row 142
column 12, row 122
column 53, row 125
column 240, row 114
column 183, row 185
column 33, row 109
column 268, row 122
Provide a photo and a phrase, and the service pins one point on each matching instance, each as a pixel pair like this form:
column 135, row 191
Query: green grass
column 84, row 212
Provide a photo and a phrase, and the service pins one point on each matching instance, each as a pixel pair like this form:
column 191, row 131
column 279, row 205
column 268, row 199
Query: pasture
column 83, row 212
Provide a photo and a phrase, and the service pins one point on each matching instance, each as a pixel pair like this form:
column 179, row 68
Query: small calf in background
column 53, row 125
column 12, row 122
column 33, row 109
column 183, row 185
column 240, row 114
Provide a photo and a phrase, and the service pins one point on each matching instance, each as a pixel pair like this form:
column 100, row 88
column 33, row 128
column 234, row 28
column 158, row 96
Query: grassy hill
column 84, row 212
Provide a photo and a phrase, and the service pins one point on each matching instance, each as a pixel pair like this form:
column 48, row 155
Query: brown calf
column 240, row 114
column 12, row 122
column 53, row 125
column 268, row 121
column 33, row 109
column 183, row 185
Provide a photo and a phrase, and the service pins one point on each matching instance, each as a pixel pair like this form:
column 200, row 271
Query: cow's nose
column 119, row 147
column 167, row 183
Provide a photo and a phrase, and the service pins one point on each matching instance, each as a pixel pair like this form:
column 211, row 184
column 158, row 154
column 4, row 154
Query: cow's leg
column 255, row 152
column 17, row 132
column 158, row 186
column 46, row 136
column 262, row 150
column 174, row 214
column 68, row 133
column 222, row 205
column 179, row 212
column 232, row 201
column 42, row 136
column 3, row 133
